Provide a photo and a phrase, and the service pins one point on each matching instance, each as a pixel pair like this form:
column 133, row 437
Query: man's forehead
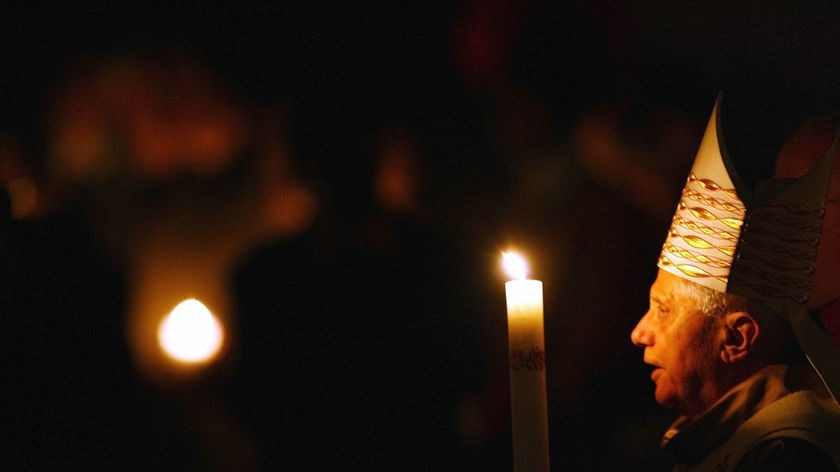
column 664, row 288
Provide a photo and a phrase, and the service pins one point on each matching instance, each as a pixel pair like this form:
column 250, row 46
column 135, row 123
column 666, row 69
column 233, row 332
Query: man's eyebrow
column 656, row 298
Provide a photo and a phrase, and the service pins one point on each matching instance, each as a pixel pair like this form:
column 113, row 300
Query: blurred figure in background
column 356, row 353
column 157, row 178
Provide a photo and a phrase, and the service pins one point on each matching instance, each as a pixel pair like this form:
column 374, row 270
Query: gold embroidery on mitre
column 712, row 186
column 734, row 223
column 698, row 242
column 707, row 222
column 689, row 270
column 707, row 230
column 702, row 213
column 701, row 244
column 712, row 202
column 712, row 195
column 766, row 250
column 705, row 259
column 778, row 252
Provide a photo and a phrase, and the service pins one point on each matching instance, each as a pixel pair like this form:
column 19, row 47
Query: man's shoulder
column 786, row 454
column 787, row 434
column 800, row 431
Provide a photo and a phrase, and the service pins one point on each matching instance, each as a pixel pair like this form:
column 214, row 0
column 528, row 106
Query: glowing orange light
column 514, row 265
column 24, row 197
column 190, row 333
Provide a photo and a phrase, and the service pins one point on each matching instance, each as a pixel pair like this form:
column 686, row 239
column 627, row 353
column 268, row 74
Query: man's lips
column 657, row 371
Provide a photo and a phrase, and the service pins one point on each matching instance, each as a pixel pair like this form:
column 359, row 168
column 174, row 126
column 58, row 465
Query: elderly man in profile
column 733, row 347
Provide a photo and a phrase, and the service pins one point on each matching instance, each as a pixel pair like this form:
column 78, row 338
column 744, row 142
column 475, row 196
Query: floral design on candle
column 527, row 360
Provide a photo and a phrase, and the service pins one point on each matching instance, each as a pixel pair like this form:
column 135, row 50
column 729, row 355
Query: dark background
column 566, row 128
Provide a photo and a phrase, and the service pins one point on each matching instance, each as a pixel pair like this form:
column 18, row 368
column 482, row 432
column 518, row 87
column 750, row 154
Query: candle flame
column 514, row 265
column 191, row 333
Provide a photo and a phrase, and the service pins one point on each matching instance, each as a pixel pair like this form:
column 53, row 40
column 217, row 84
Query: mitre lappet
column 756, row 242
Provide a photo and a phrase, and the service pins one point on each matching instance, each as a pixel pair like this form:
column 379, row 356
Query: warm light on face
column 514, row 265
column 190, row 333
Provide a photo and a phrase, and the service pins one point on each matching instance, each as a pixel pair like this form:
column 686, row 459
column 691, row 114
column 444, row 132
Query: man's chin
column 665, row 399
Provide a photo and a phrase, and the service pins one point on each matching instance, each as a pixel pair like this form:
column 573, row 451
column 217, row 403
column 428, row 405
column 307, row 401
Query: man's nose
column 641, row 335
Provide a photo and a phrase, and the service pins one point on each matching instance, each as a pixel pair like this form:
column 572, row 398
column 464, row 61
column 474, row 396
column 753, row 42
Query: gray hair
column 713, row 303
column 779, row 343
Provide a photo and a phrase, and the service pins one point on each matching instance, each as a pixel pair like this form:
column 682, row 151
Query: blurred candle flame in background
column 191, row 333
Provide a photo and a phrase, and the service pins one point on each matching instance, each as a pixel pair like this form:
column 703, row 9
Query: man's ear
column 742, row 331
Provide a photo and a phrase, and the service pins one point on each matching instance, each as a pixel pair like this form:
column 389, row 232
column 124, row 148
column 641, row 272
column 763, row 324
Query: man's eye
column 654, row 307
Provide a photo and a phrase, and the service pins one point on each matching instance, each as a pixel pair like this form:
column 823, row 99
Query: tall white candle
column 526, row 347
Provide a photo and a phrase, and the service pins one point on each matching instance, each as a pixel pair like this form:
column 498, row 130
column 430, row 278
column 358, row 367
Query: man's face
column 682, row 344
